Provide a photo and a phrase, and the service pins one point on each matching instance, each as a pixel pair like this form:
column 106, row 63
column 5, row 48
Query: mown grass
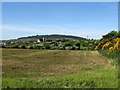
column 57, row 69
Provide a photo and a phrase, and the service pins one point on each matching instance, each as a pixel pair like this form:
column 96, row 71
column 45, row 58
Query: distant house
column 41, row 40
column 4, row 44
column 38, row 40
column 86, row 42
column 27, row 42
column 11, row 42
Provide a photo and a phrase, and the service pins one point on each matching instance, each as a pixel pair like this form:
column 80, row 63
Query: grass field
column 57, row 69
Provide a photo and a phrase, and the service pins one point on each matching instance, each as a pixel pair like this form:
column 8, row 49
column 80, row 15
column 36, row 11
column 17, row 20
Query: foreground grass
column 57, row 69
column 106, row 78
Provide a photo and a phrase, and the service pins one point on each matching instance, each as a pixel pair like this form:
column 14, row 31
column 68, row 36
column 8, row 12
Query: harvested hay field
column 55, row 68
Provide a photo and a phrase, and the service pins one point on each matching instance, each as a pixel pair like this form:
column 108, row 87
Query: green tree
column 118, row 35
column 47, row 45
column 112, row 34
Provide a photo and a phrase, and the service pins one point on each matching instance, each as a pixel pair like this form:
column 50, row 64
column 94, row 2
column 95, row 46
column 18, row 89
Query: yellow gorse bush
column 99, row 46
column 117, row 44
column 111, row 49
column 106, row 45
column 113, row 45
column 117, row 39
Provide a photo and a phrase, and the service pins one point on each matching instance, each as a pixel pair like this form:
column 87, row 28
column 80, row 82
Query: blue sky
column 92, row 19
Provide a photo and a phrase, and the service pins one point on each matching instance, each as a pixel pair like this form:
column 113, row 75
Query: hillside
column 51, row 42
column 53, row 37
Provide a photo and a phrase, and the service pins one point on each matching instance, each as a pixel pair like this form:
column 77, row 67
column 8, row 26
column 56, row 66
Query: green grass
column 57, row 69
column 113, row 55
column 106, row 78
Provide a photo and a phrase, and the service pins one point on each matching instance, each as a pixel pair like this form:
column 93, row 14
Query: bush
column 23, row 47
column 61, row 48
column 46, row 45
column 69, row 48
column 114, row 55
column 112, row 34
column 77, row 48
column 15, row 46
column 27, row 47
column 2, row 46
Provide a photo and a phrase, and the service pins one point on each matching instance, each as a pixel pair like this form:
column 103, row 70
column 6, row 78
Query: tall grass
column 106, row 78
column 114, row 56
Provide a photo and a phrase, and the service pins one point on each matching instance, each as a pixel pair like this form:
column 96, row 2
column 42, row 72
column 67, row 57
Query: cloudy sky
column 92, row 19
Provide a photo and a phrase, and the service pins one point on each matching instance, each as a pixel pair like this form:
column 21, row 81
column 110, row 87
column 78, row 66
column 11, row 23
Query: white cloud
column 18, row 29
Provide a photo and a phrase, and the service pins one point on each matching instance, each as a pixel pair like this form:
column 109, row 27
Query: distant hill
column 53, row 36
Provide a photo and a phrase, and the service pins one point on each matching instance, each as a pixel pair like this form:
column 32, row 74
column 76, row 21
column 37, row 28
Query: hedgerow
column 110, row 47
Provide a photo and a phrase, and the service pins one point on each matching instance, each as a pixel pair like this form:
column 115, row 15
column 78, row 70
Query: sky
column 92, row 19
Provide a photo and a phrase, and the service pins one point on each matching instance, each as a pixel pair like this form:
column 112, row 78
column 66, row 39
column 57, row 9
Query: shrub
column 61, row 48
column 47, row 45
column 23, row 47
column 69, row 48
column 77, row 48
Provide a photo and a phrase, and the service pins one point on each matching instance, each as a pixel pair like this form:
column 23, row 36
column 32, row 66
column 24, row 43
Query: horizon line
column 50, row 34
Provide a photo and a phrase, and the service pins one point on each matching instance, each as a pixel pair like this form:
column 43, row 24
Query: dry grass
column 42, row 63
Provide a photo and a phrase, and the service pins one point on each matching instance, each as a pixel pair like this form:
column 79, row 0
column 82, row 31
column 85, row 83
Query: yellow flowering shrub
column 112, row 45
column 117, row 44
column 117, row 39
column 111, row 49
column 106, row 45
column 99, row 46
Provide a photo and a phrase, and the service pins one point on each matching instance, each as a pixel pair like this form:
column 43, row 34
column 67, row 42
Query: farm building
column 41, row 40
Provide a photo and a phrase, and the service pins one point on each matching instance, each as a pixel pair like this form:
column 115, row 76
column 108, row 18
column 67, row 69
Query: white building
column 43, row 39
column 38, row 40
column 4, row 44
column 11, row 42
